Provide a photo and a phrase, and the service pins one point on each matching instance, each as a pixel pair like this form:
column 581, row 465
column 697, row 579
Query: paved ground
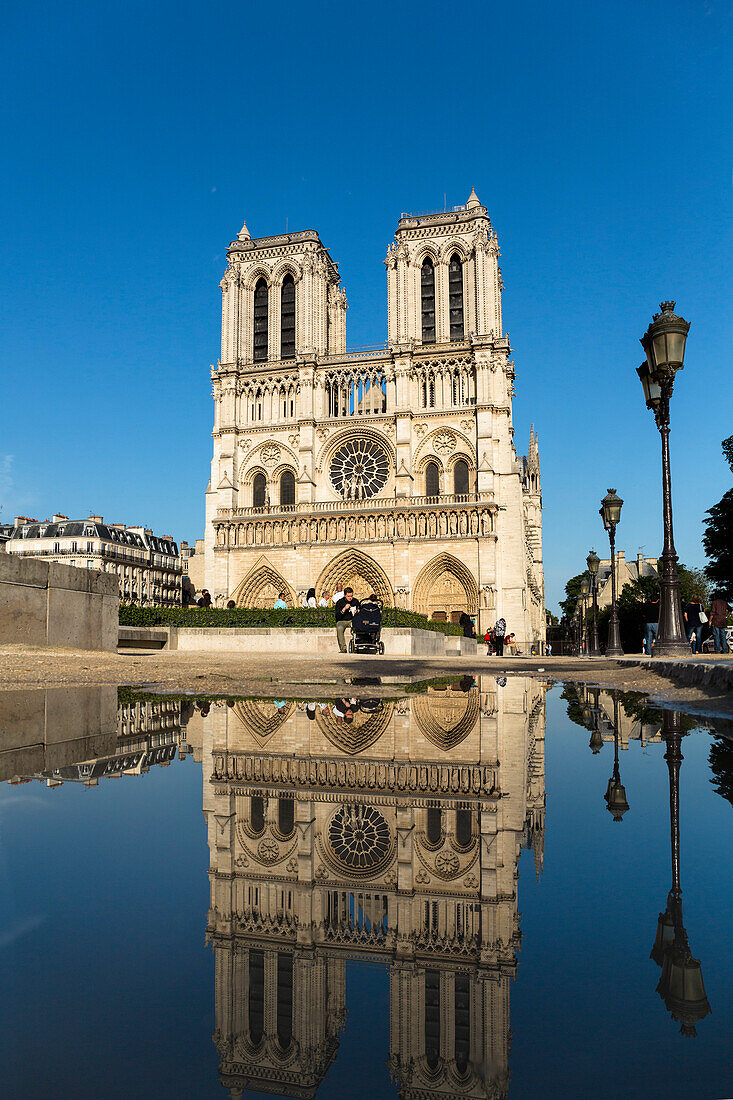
column 22, row 666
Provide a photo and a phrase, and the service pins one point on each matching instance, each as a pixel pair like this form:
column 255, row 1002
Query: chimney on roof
column 58, row 518
column 96, row 519
column 25, row 519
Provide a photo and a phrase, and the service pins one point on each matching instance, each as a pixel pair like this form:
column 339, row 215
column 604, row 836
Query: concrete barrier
column 44, row 603
column 399, row 641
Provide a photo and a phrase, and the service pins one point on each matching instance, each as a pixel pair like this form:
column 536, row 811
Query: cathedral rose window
column 359, row 839
column 359, row 469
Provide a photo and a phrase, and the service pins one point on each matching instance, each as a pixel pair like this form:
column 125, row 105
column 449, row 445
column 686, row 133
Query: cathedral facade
column 392, row 470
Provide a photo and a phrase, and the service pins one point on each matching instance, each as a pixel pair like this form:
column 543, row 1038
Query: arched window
column 285, row 816
column 432, row 480
column 287, row 318
column 432, row 1019
column 259, row 491
column 427, row 297
column 463, row 828
column 434, row 830
column 455, row 297
column 460, row 478
column 256, row 989
column 257, row 813
column 260, row 322
column 284, row 999
column 287, row 488
column 462, row 1021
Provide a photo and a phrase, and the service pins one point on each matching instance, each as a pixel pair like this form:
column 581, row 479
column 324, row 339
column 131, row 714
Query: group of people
column 696, row 621
column 499, row 642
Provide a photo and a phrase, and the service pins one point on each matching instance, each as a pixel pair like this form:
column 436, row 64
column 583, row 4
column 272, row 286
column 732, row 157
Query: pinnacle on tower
column 473, row 200
column 243, row 234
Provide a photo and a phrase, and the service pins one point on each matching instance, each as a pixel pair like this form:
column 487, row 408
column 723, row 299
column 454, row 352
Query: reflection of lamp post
column 593, row 561
column 584, row 589
column 664, row 344
column 596, row 737
column 615, row 795
column 681, row 986
column 610, row 512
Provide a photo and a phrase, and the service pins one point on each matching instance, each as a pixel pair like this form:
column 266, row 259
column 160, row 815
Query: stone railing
column 373, row 504
column 422, row 517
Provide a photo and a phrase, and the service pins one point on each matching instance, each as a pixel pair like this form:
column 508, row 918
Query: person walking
column 499, row 635
column 651, row 623
column 310, row 599
column 344, row 612
column 487, row 640
column 719, row 611
column 694, row 613
column 204, row 599
column 279, row 604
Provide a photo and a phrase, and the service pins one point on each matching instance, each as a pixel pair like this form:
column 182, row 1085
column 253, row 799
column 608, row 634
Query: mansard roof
column 92, row 529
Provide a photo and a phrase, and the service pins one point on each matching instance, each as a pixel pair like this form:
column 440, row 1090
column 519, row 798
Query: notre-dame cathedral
column 392, row 470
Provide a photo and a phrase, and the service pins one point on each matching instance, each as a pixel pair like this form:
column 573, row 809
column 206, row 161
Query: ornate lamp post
column 610, row 512
column 593, row 562
column 664, row 344
column 584, row 590
column 615, row 795
column 680, row 986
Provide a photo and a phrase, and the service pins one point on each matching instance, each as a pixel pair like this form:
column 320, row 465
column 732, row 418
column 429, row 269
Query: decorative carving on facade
column 445, row 442
column 270, row 454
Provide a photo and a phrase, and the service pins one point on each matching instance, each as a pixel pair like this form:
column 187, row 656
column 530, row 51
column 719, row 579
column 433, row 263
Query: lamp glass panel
column 660, row 349
column 676, row 346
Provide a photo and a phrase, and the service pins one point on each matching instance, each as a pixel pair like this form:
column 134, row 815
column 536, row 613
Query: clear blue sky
column 137, row 137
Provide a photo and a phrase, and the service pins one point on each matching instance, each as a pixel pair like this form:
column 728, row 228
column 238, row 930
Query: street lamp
column 681, row 985
column 610, row 512
column 584, row 590
column 664, row 344
column 593, row 562
column 615, row 795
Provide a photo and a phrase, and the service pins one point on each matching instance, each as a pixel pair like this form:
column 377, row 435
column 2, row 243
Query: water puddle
column 469, row 888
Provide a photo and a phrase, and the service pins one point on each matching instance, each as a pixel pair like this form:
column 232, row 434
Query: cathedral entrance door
column 447, row 599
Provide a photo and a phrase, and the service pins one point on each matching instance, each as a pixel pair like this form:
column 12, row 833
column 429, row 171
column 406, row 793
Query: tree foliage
column 718, row 536
column 572, row 592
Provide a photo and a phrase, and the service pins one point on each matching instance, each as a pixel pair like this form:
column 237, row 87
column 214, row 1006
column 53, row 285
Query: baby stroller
column 366, row 627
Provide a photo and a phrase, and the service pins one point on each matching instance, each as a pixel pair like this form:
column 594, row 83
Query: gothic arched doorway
column 444, row 589
column 358, row 571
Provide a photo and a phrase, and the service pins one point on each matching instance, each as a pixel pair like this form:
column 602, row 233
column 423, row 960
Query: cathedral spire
column 243, row 234
column 473, row 200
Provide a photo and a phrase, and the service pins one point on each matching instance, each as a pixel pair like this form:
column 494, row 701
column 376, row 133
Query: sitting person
column 279, row 604
column 344, row 611
column 325, row 597
column 231, row 606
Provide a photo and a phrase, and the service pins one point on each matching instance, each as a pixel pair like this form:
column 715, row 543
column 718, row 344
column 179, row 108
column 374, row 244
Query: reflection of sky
column 107, row 985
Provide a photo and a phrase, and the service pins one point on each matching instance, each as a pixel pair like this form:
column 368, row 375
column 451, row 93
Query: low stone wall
column 46, row 604
column 398, row 641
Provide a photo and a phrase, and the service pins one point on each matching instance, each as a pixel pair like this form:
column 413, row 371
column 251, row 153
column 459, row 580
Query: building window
column 257, row 813
column 463, row 828
column 434, row 828
column 460, row 478
column 260, row 322
column 462, row 1021
column 432, row 480
column 285, row 816
column 287, row 318
column 427, row 298
column 287, row 488
column 284, row 999
column 259, row 491
column 455, row 297
column 256, row 996
column 432, row 1019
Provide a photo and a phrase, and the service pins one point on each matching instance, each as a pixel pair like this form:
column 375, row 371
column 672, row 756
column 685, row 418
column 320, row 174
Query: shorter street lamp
column 596, row 737
column 664, row 344
column 593, row 562
column 584, row 590
column 615, row 795
column 610, row 512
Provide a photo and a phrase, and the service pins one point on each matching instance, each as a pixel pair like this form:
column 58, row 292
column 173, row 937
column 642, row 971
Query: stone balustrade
column 469, row 516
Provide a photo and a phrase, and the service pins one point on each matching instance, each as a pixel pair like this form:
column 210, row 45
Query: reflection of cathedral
column 386, row 831
column 393, row 470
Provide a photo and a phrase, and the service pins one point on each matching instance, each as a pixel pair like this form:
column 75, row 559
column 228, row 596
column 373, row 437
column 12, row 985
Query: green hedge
column 246, row 616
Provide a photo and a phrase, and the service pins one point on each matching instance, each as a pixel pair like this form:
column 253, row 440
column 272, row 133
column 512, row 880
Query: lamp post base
column 671, row 649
